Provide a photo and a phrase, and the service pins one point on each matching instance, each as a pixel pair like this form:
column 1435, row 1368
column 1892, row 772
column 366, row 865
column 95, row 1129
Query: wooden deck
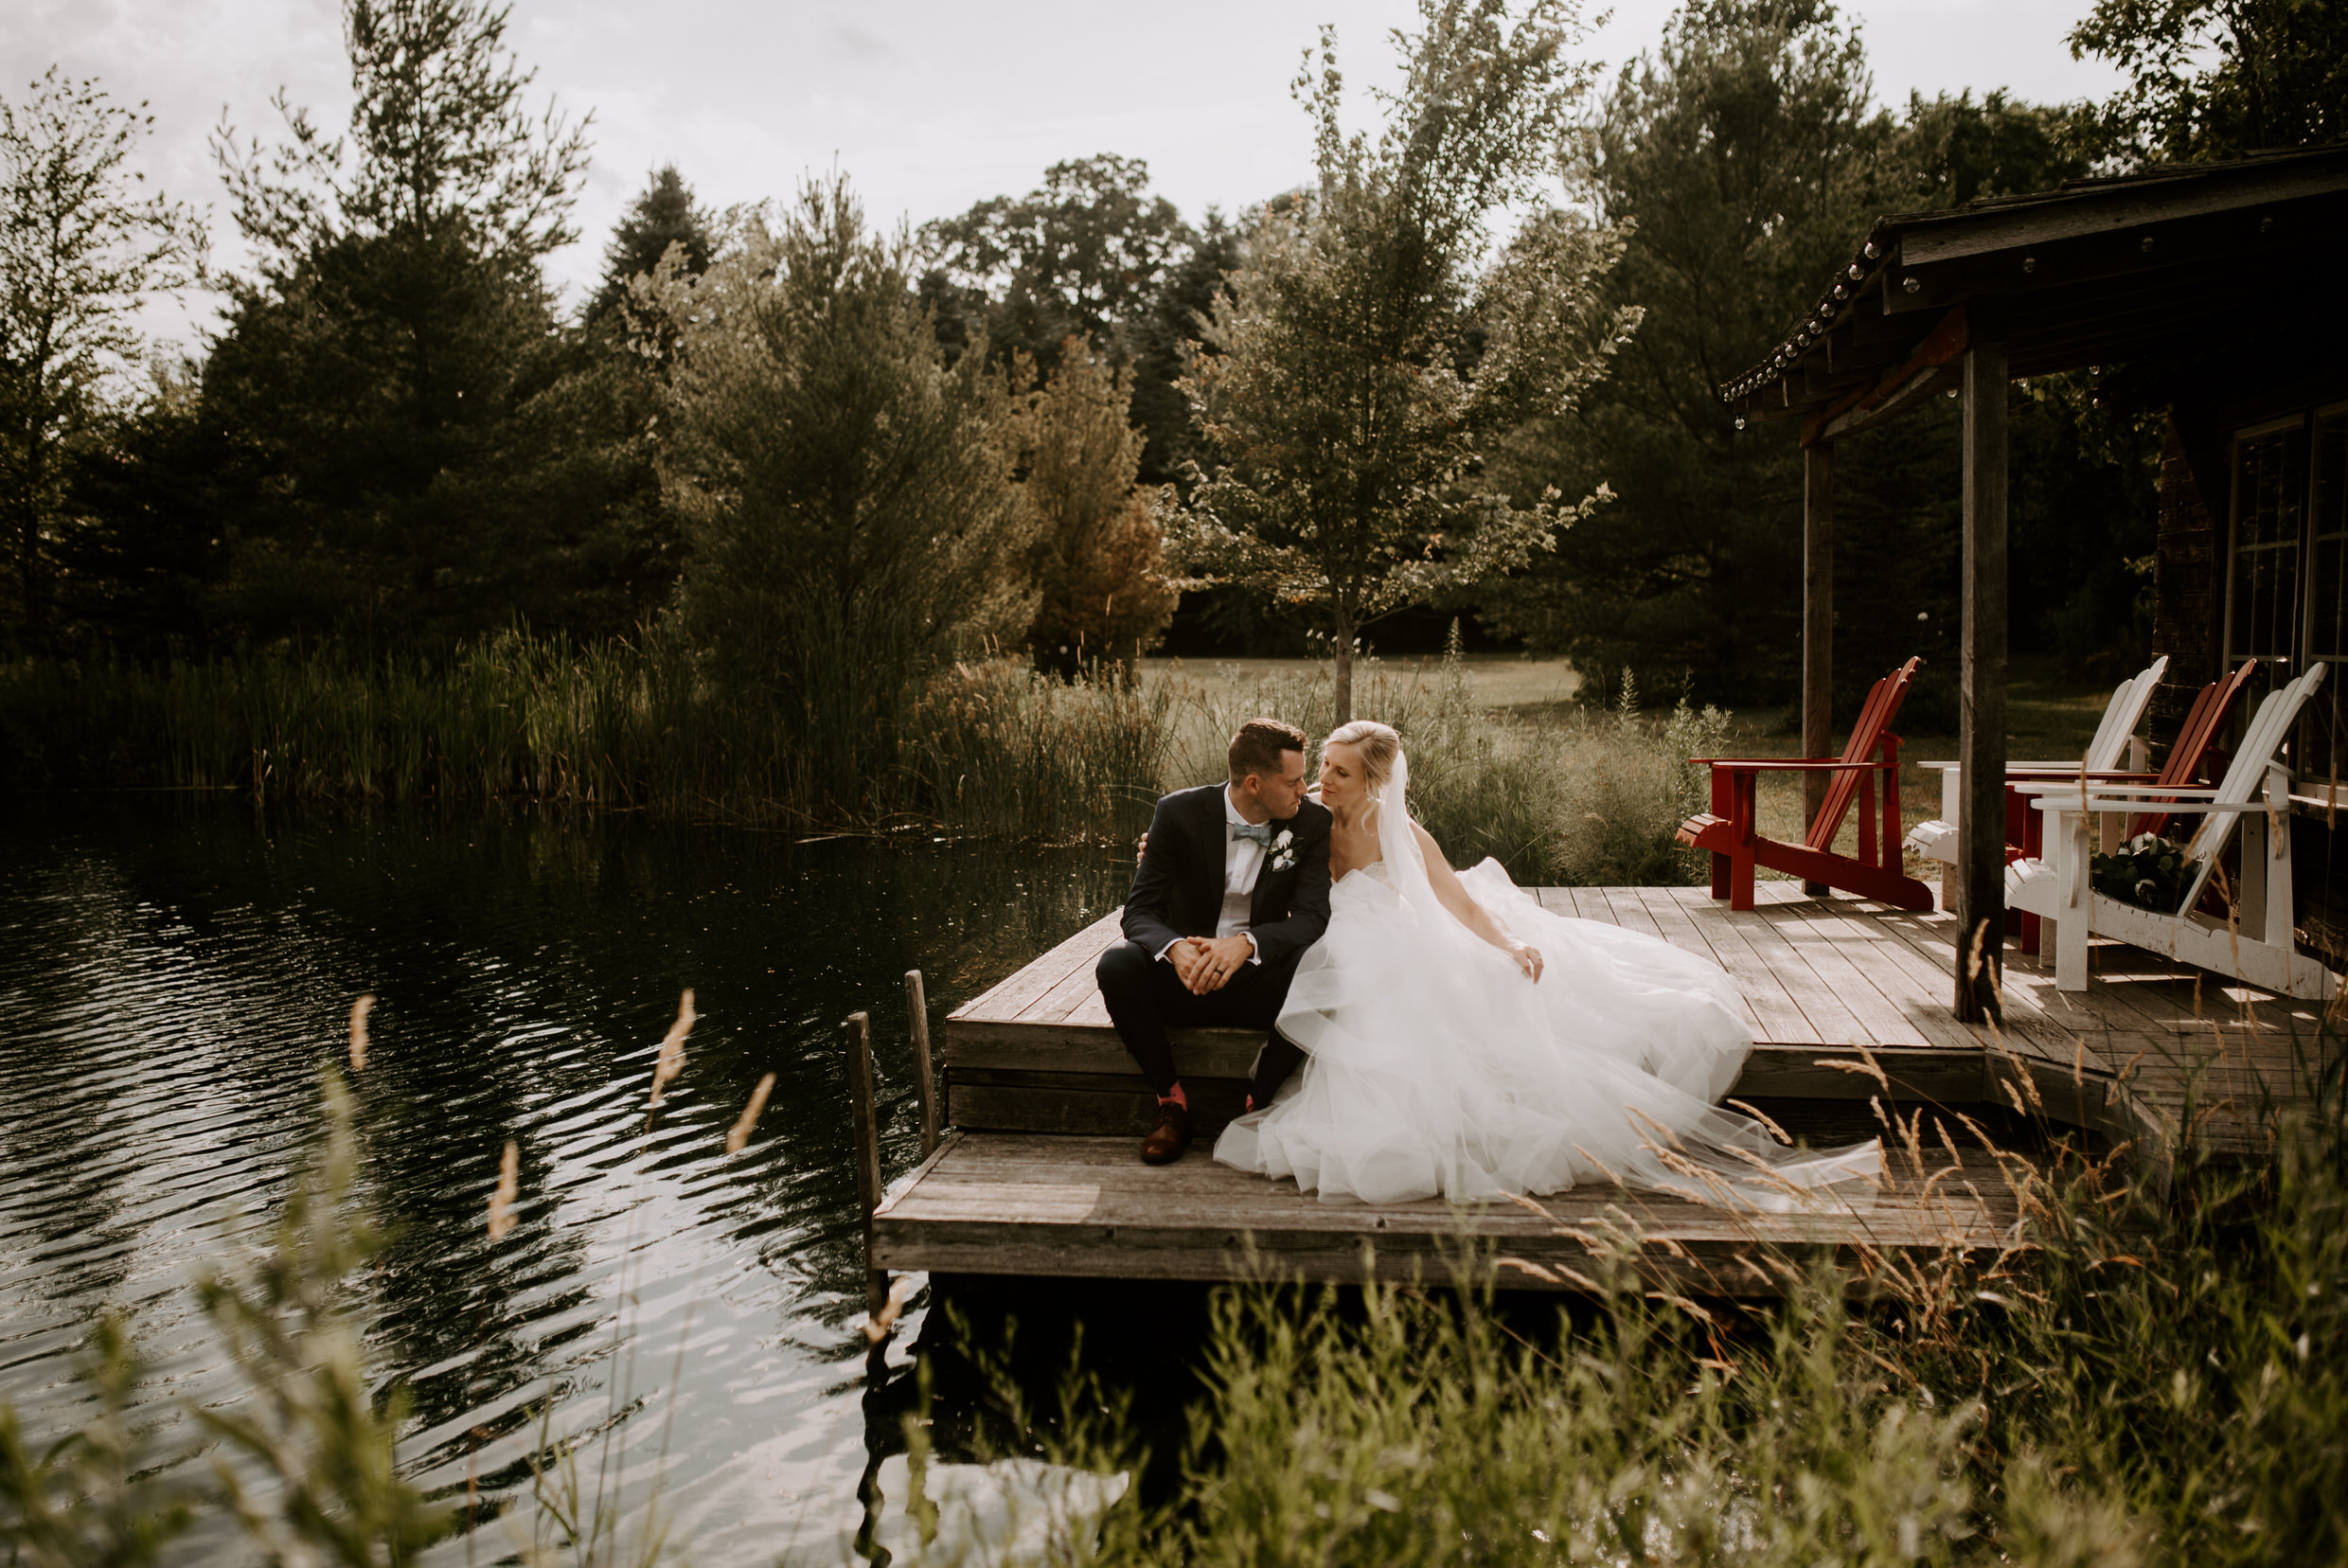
column 1849, row 1003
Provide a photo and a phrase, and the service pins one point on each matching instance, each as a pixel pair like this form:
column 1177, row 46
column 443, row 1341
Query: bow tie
column 1260, row 831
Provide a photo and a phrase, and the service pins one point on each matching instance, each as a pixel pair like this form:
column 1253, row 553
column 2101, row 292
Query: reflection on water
column 172, row 979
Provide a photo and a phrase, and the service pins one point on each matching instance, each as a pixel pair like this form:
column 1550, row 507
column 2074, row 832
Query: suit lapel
column 1211, row 854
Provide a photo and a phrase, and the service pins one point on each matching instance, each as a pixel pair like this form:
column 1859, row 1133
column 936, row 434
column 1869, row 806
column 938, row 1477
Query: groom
column 1233, row 887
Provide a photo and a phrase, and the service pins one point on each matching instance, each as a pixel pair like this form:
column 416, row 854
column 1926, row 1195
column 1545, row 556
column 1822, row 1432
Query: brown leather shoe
column 1167, row 1140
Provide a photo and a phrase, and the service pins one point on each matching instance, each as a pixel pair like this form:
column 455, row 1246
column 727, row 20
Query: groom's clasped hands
column 1206, row 963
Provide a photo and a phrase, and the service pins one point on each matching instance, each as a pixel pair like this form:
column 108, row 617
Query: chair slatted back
column 1874, row 717
column 2120, row 715
column 2203, row 727
column 2246, row 776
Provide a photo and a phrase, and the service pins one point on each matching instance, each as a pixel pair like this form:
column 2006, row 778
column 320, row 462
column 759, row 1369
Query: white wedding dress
column 1435, row 1067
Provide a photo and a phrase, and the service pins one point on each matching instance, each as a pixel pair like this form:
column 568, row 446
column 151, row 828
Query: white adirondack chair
column 2116, row 745
column 2252, row 802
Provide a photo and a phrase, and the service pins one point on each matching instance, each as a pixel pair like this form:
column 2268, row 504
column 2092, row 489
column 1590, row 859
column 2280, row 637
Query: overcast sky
column 926, row 105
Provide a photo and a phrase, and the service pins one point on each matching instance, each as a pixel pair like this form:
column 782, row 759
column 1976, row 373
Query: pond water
column 175, row 978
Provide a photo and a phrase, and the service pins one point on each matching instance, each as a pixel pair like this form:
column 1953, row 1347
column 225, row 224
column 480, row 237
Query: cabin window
column 2270, row 490
column 2325, row 741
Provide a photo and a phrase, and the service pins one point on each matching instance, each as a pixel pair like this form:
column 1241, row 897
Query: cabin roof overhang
column 2093, row 273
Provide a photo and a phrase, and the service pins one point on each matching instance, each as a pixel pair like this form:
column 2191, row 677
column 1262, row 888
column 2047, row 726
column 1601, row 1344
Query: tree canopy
column 663, row 214
column 848, row 496
column 440, row 146
column 432, row 454
column 1080, row 256
column 1370, row 348
column 2215, row 78
column 81, row 245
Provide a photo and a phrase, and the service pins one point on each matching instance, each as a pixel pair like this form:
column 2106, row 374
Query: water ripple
column 172, row 982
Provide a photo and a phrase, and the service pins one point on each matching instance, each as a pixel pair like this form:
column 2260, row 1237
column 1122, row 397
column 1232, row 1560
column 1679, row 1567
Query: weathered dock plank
column 1074, row 1206
column 1849, row 1003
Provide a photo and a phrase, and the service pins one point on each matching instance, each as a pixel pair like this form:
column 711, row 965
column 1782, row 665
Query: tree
column 1097, row 560
column 148, row 494
column 1951, row 151
column 2215, row 78
column 1750, row 159
column 1080, row 255
column 81, row 248
column 848, row 495
column 1743, row 158
column 432, row 463
column 440, row 146
column 663, row 215
column 1167, row 336
column 1367, row 358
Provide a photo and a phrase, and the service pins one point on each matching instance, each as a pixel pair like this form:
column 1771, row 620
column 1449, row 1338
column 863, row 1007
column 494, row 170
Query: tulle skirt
column 1435, row 1067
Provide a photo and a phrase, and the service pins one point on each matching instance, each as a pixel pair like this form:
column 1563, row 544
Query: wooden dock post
column 856, row 1034
column 1816, row 629
column 918, row 1010
column 1981, row 705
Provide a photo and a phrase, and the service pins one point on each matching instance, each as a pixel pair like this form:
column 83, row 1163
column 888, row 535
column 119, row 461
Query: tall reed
column 2141, row 1375
column 629, row 724
column 1583, row 799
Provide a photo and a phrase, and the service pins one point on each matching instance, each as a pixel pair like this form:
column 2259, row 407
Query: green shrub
column 2148, row 1373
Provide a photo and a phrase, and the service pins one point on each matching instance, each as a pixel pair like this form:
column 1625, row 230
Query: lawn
column 2048, row 717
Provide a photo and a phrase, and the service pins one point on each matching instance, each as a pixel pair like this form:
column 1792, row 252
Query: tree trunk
column 1342, row 637
column 29, row 559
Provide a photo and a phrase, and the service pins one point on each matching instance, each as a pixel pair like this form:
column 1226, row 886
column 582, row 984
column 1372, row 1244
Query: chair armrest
column 2017, row 773
column 2071, row 782
column 2014, row 771
column 2194, row 808
column 1782, row 764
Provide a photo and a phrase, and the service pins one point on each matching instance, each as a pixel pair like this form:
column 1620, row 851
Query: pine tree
column 432, row 463
column 663, row 215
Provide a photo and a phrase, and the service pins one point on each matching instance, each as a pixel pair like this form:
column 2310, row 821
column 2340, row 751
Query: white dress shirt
column 1243, row 862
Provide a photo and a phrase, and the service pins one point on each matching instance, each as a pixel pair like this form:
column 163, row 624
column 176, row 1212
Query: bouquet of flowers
column 2148, row 871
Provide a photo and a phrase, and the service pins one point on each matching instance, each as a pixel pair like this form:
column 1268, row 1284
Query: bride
column 1462, row 1042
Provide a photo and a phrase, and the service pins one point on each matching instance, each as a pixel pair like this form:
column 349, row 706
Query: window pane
column 2262, row 583
column 2326, row 739
column 2325, row 591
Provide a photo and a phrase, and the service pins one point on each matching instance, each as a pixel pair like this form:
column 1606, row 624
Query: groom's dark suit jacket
column 1178, row 888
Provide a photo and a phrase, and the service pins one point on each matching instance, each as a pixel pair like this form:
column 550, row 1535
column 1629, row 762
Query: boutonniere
column 1284, row 850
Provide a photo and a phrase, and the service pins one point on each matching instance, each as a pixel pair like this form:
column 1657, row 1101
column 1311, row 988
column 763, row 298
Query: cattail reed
column 900, row 1290
column 509, row 1188
column 359, row 1011
column 740, row 1134
column 671, row 1060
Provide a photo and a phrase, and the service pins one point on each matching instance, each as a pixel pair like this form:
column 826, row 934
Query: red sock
column 1177, row 1096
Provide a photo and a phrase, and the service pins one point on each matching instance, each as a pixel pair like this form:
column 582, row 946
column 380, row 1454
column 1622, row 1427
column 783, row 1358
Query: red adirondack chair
column 1730, row 833
column 2195, row 758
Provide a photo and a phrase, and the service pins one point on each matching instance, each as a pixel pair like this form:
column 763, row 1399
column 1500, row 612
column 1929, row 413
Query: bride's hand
column 1141, row 848
column 1528, row 958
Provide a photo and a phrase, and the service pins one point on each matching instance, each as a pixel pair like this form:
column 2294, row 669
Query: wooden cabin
column 2212, row 292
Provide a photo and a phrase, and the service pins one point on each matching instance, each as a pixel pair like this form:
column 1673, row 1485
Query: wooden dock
column 1849, row 1001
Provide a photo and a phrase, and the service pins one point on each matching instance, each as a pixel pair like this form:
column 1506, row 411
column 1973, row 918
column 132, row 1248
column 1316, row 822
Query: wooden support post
column 856, row 1034
column 1981, row 712
column 917, row 1009
column 1816, row 629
